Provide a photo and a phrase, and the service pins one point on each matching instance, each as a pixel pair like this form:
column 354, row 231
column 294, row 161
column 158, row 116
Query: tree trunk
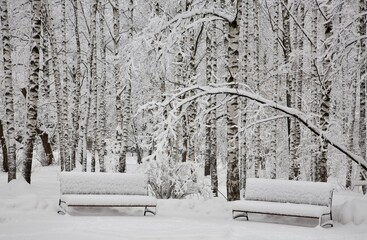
column 116, row 74
column 77, row 78
column 257, row 133
column 94, row 83
column 293, row 138
column 127, row 98
column 58, row 90
column 9, row 96
column 65, row 112
column 33, row 90
column 286, row 53
column 352, row 122
column 322, row 171
column 233, row 181
column 273, row 143
column 101, row 93
column 315, row 93
column 46, row 147
column 3, row 148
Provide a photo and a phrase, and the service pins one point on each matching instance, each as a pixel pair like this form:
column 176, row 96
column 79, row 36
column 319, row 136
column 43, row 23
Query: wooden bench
column 81, row 189
column 286, row 198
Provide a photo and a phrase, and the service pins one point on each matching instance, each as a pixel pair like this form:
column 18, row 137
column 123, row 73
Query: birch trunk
column 315, row 98
column 116, row 74
column 93, row 66
column 3, row 148
column 58, row 90
column 127, row 97
column 273, row 143
column 33, row 90
column 65, row 88
column 352, row 122
column 286, row 41
column 233, row 181
column 322, row 171
column 101, row 92
column 9, row 95
column 294, row 164
column 258, row 158
column 362, row 95
column 77, row 85
column 246, row 70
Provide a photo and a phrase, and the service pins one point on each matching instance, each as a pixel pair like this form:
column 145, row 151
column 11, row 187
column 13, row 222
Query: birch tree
column 65, row 112
column 362, row 95
column 77, row 78
column 101, row 92
column 33, row 90
column 233, row 181
column 322, row 172
column 9, row 99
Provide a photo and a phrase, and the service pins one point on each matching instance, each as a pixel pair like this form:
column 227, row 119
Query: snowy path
column 29, row 212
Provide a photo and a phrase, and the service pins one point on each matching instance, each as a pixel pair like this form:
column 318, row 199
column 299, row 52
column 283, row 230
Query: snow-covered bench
column 105, row 190
column 286, row 198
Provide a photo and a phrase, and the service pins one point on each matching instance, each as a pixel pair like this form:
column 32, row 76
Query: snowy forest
column 201, row 93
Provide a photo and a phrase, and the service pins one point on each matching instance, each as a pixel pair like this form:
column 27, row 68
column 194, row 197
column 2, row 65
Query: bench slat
column 107, row 200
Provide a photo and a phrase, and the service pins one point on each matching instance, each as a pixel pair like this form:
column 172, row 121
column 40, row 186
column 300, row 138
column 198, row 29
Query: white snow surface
column 30, row 212
column 103, row 183
column 301, row 192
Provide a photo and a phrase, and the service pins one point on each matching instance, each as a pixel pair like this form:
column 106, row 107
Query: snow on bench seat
column 283, row 197
column 105, row 190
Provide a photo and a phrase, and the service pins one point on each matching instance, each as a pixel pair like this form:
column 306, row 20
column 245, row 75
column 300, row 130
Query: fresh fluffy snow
column 103, row 183
column 30, row 212
column 288, row 191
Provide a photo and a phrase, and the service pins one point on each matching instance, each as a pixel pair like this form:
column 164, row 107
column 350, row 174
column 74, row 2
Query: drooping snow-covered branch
column 301, row 116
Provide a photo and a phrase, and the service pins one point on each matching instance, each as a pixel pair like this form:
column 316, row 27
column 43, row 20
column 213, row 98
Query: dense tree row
column 223, row 88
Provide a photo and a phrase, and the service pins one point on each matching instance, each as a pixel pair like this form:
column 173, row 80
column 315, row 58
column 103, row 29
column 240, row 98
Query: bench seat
column 276, row 208
column 108, row 200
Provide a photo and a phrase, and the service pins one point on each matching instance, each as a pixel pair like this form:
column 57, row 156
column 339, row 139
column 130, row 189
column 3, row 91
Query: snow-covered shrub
column 172, row 179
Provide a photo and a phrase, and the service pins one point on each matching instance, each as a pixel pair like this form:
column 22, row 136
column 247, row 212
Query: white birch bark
column 257, row 139
column 315, row 91
column 77, row 85
column 93, row 62
column 322, row 168
column 58, row 90
column 32, row 90
column 9, row 95
column 65, row 112
column 233, row 181
column 362, row 94
column 127, row 96
column 274, row 127
column 101, row 93
column 294, row 169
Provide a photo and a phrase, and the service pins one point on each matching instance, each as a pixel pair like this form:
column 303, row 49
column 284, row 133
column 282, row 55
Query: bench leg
column 241, row 214
column 149, row 211
column 62, row 210
column 327, row 223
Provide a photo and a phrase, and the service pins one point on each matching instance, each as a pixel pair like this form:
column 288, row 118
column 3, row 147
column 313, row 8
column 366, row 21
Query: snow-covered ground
column 30, row 212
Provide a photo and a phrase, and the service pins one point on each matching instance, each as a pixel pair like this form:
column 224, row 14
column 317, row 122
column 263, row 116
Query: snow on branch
column 302, row 117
